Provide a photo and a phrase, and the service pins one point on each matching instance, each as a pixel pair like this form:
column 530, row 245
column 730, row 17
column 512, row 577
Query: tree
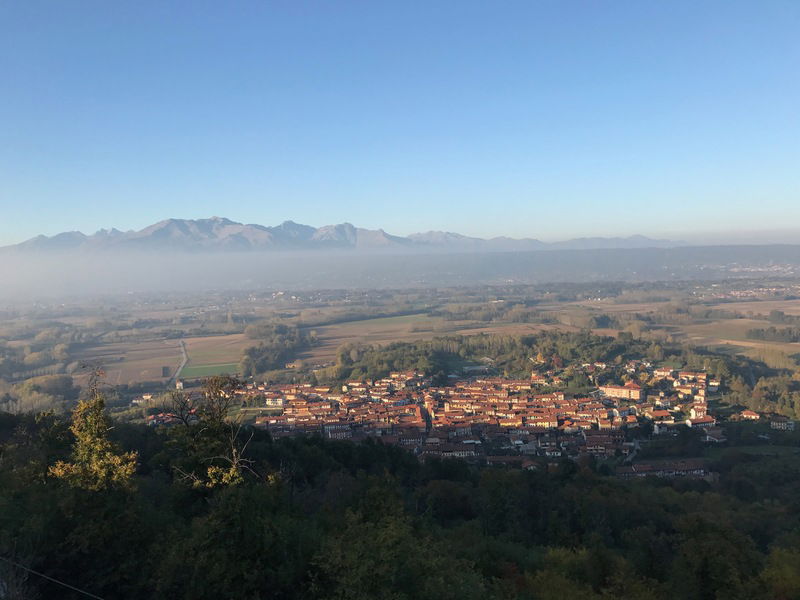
column 782, row 573
column 179, row 404
column 387, row 559
column 212, row 447
column 218, row 394
column 96, row 463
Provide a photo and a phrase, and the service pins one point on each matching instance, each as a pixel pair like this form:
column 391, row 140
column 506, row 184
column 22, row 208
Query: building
column 664, row 373
column 781, row 423
column 748, row 415
column 702, row 422
column 629, row 391
column 689, row 467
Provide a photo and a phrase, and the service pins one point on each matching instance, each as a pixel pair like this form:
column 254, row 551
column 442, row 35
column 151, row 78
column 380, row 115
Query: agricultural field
column 370, row 331
column 194, row 372
column 214, row 355
column 731, row 335
column 404, row 328
column 721, row 331
column 138, row 354
column 610, row 307
column 724, row 335
column 216, row 349
column 133, row 362
column 761, row 307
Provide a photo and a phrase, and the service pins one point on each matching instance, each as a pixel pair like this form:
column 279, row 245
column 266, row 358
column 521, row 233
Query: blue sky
column 548, row 119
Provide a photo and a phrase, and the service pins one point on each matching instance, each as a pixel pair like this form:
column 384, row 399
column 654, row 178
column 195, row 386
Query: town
column 493, row 420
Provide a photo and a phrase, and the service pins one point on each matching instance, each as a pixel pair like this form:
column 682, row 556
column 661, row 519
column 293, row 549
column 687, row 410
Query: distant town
column 501, row 421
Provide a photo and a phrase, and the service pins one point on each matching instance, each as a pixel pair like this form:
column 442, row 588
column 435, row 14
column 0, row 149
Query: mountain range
column 221, row 234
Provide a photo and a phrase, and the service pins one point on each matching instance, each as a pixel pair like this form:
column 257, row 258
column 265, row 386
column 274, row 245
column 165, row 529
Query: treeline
column 514, row 356
column 55, row 393
column 492, row 311
column 277, row 345
column 526, row 312
column 775, row 334
column 675, row 312
column 208, row 510
column 771, row 394
column 49, row 348
column 781, row 318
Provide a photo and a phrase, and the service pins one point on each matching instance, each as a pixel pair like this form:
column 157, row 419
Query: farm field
column 132, row 362
column 193, row 372
column 216, row 349
column 723, row 329
column 214, row 354
column 733, row 332
column 609, row 307
column 404, row 328
column 761, row 307
column 720, row 334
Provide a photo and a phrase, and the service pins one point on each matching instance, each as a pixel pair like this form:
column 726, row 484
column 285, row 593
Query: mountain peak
column 222, row 234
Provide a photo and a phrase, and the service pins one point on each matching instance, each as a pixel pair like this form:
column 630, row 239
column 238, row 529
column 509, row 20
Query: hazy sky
column 549, row 119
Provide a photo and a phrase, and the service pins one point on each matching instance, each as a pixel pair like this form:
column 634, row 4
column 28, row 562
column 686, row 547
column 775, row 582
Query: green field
column 194, row 371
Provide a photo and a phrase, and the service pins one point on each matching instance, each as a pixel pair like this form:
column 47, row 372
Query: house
column 660, row 416
column 749, row 415
column 714, row 435
column 702, row 422
column 273, row 401
column 665, row 401
column 337, row 431
column 457, row 451
column 699, row 410
column 693, row 376
column 664, row 373
column 537, row 379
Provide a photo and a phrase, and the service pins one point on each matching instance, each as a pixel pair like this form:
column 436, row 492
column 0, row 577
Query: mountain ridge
column 222, row 234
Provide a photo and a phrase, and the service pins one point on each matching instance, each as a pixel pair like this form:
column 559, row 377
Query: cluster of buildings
column 494, row 420
column 680, row 397
column 485, row 419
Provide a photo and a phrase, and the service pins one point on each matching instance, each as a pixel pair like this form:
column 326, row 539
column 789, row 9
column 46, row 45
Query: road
column 183, row 364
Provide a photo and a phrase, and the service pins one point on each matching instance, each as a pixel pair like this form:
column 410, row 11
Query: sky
column 535, row 118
